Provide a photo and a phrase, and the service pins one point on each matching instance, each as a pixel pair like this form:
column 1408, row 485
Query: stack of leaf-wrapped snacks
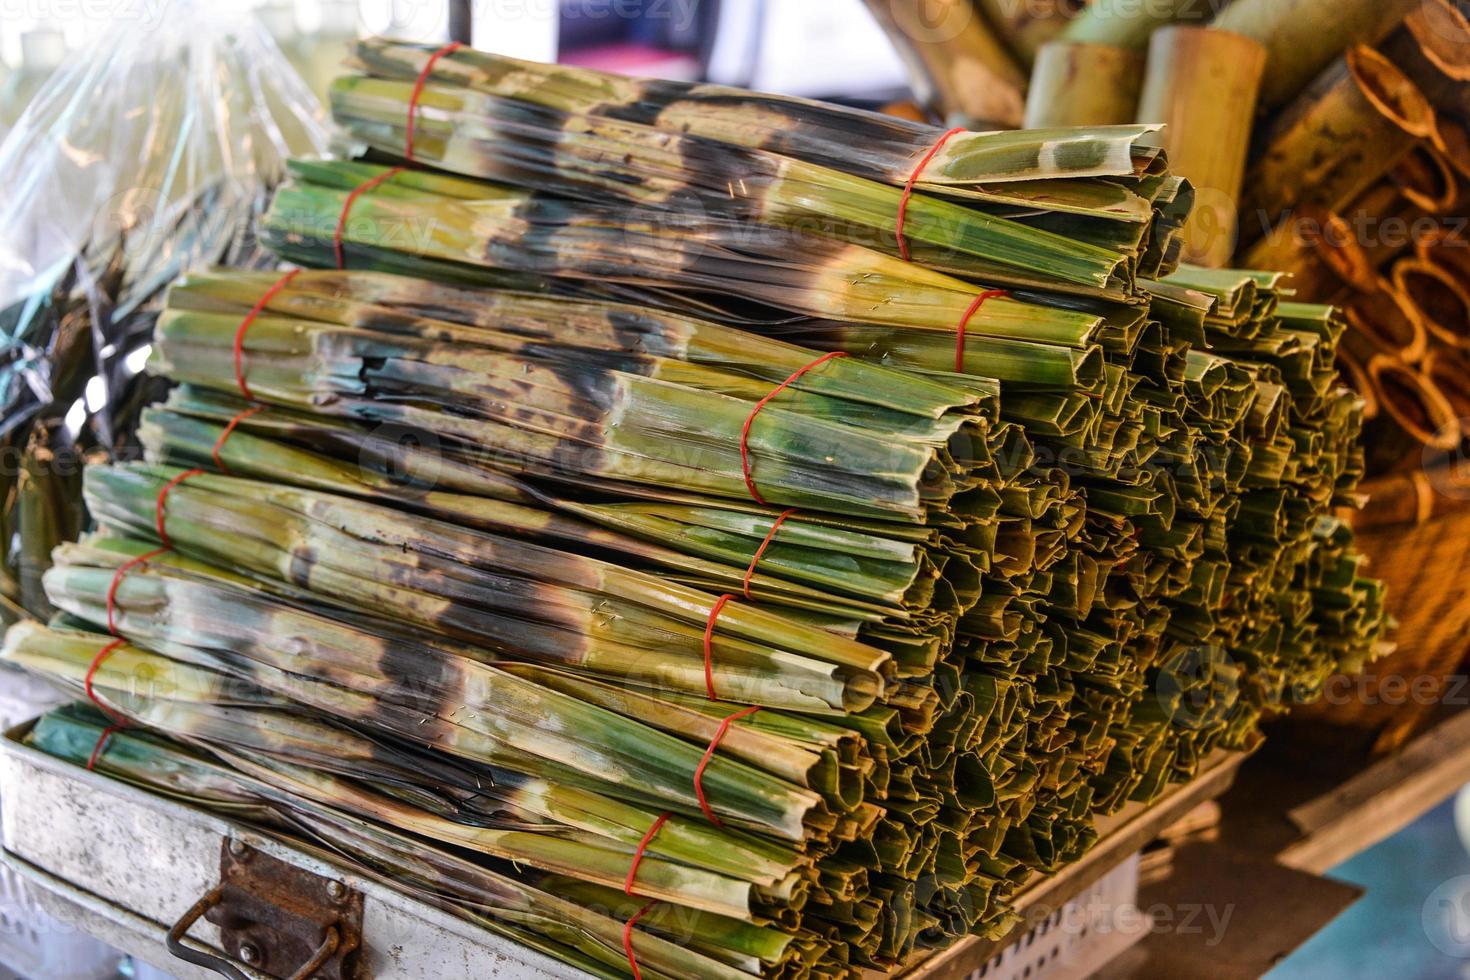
column 658, row 478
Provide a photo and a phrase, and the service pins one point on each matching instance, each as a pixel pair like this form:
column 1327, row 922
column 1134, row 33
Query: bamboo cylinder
column 1395, row 502
column 1202, row 83
column 1449, row 369
column 1027, row 26
column 957, row 62
column 1449, row 252
column 1416, row 418
column 1442, row 303
column 1130, row 23
column 1433, row 52
column 1442, row 33
column 1384, row 224
column 1321, row 253
column 1453, row 141
column 1302, row 37
column 1340, row 248
column 1076, row 84
column 1386, row 323
column 1433, row 64
column 1355, row 123
column 1427, row 181
column 1350, row 369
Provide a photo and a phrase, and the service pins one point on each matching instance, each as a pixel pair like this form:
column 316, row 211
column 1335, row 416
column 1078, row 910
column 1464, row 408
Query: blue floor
column 1414, row 922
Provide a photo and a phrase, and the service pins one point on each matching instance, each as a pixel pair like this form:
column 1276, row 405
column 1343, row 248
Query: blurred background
column 836, row 50
column 764, row 44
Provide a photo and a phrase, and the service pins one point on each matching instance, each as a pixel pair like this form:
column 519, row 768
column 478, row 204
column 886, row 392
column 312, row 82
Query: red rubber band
column 709, row 754
column 158, row 510
column 117, row 719
column 229, row 430
column 628, row 939
column 638, row 854
column 107, row 733
column 908, row 189
column 418, row 91
column 352, row 197
column 959, row 343
column 745, row 429
column 709, row 633
column 117, row 577
column 260, row 304
column 754, row 561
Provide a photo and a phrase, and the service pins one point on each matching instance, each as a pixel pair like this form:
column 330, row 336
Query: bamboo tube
column 1433, row 63
column 1384, row 224
column 1129, row 23
column 1202, row 83
column 1439, row 65
column 1449, row 369
column 1029, row 25
column 1385, row 322
column 1356, row 122
column 1319, row 250
column 1427, row 181
column 1448, row 251
column 957, row 62
column 1078, row 84
column 1397, row 500
column 1339, row 247
column 1442, row 32
column 1442, row 303
column 1435, row 56
column 1453, row 142
column 1302, row 37
column 1416, row 418
column 1355, row 376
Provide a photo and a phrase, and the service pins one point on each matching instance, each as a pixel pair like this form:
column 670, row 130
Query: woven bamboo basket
column 1415, row 531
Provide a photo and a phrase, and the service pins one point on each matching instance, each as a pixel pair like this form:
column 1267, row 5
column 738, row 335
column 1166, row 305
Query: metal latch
column 275, row 918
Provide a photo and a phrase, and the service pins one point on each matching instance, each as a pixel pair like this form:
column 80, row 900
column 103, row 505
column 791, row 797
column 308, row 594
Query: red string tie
column 749, row 419
column 102, row 740
column 418, row 91
column 352, row 197
column 766, row 543
column 118, row 720
column 638, row 854
column 709, row 754
column 255, row 311
column 908, row 189
column 628, row 890
column 117, row 578
column 709, row 635
column 959, row 343
column 229, row 430
column 159, row 507
column 628, row 939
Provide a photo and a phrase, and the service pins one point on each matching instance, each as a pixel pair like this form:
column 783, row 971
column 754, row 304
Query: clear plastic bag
column 162, row 135
column 149, row 153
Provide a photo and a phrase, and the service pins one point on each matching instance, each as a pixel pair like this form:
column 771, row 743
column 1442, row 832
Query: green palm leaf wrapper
column 438, row 602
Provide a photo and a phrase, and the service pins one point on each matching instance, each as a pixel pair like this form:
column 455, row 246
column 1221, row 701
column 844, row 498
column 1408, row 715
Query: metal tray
column 125, row 865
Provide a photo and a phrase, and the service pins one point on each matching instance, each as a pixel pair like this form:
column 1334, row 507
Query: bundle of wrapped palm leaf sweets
column 653, row 514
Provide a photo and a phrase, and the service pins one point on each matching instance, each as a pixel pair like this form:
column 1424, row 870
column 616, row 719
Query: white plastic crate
column 1077, row 938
